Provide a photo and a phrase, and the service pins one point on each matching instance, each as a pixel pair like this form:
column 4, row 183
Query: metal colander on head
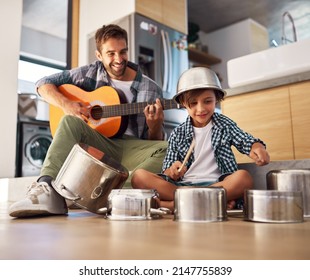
column 198, row 78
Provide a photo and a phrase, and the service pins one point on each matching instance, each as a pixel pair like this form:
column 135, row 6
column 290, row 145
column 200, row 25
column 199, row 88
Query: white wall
column 10, row 30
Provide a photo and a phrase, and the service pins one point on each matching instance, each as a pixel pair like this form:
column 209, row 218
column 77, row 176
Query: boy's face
column 114, row 56
column 201, row 106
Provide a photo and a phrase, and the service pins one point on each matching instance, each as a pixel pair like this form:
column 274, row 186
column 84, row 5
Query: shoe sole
column 20, row 213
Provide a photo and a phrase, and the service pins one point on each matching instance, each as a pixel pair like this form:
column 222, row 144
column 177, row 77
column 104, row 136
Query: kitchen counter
column 300, row 77
column 82, row 235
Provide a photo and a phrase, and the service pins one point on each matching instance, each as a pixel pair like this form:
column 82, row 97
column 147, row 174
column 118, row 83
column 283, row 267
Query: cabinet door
column 300, row 104
column 175, row 15
column 266, row 115
column 150, row 8
column 172, row 13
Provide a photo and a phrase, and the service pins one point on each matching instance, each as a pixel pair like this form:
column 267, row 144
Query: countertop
column 300, row 77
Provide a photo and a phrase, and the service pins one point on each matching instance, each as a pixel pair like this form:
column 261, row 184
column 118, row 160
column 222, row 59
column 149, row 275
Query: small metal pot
column 291, row 180
column 87, row 178
column 200, row 204
column 273, row 206
column 134, row 204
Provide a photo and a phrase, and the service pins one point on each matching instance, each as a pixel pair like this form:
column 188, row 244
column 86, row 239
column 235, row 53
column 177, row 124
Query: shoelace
column 37, row 188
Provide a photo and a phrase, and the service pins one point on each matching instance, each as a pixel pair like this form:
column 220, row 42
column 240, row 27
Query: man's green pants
column 131, row 152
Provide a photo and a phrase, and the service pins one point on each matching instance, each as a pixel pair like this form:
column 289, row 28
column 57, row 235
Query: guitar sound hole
column 96, row 112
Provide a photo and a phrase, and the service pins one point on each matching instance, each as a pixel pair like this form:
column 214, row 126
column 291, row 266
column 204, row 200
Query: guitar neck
column 134, row 108
column 105, row 103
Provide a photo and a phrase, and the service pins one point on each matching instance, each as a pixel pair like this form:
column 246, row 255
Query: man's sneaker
column 41, row 199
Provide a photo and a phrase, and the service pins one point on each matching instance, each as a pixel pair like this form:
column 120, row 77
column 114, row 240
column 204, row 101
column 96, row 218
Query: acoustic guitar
column 109, row 111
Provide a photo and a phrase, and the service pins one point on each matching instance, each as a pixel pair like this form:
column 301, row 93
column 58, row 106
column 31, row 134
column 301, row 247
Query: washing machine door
column 36, row 141
column 36, row 149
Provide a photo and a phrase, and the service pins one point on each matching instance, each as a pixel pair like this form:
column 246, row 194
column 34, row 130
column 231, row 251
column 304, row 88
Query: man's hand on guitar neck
column 154, row 115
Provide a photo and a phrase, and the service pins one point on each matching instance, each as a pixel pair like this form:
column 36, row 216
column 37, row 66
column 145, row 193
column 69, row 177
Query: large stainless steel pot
column 200, row 204
column 134, row 204
column 273, row 206
column 88, row 176
column 291, row 180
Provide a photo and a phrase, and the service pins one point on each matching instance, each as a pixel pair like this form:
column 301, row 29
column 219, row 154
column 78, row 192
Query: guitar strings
column 124, row 109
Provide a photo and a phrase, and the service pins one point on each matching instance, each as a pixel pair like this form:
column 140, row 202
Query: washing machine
column 34, row 139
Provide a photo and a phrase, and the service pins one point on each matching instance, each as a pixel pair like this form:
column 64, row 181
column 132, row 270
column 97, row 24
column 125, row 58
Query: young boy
column 211, row 162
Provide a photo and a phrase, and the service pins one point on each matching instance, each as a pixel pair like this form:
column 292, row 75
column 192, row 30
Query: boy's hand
column 174, row 173
column 259, row 154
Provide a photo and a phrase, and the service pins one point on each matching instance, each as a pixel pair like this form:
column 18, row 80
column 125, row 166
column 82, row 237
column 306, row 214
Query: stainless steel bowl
column 200, row 204
column 134, row 204
column 273, row 206
column 291, row 180
column 197, row 78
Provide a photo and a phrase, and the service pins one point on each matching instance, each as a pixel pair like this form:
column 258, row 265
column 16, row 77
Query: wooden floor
column 82, row 235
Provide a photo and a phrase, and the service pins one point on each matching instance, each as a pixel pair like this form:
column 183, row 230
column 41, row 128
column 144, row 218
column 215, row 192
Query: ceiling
column 50, row 16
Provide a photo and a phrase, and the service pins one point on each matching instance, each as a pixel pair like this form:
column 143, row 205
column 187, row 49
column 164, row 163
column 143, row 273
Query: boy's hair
column 109, row 31
column 185, row 97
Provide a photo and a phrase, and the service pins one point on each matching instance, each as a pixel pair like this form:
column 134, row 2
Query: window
column 44, row 36
column 45, row 41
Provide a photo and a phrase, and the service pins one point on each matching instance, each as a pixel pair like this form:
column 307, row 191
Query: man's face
column 114, row 56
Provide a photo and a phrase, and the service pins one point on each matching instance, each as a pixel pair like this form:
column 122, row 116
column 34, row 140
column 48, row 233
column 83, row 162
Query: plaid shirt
column 225, row 133
column 93, row 76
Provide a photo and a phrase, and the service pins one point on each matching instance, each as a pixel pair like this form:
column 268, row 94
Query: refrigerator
column 162, row 54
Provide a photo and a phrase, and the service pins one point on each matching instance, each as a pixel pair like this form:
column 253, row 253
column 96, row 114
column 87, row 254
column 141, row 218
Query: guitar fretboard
column 125, row 109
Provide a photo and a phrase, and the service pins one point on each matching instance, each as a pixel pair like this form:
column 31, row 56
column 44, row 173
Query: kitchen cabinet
column 172, row 13
column 265, row 114
column 300, row 104
column 279, row 116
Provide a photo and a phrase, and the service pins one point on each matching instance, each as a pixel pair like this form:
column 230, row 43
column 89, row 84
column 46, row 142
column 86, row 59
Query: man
column 142, row 144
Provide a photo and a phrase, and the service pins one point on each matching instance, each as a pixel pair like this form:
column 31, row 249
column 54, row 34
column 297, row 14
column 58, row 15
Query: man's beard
column 119, row 72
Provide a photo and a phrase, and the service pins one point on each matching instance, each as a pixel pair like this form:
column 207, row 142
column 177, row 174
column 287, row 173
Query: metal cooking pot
column 134, row 204
column 200, row 204
column 273, row 206
column 197, row 78
column 88, row 176
column 291, row 180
